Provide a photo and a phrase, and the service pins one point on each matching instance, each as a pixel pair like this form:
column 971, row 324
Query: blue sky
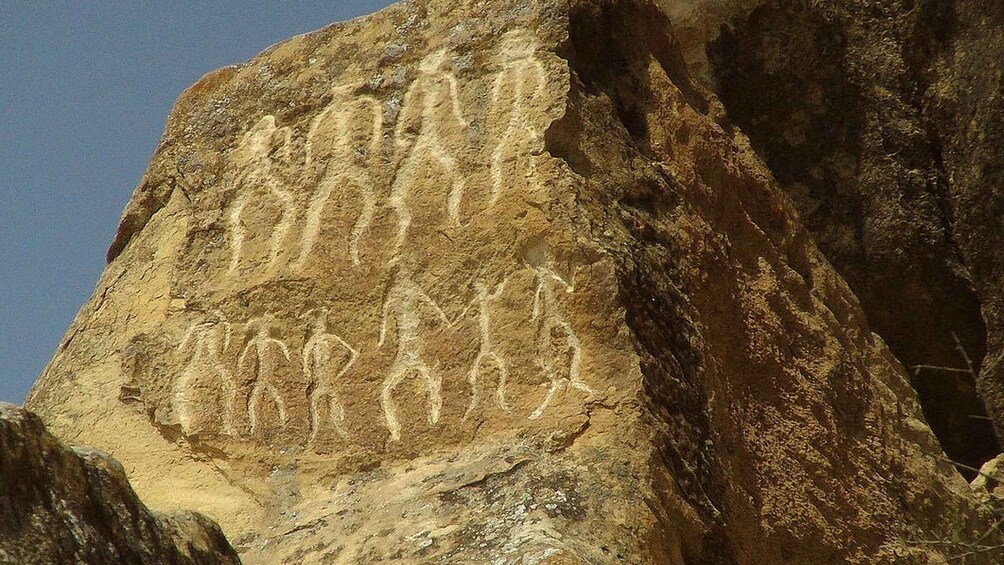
column 84, row 91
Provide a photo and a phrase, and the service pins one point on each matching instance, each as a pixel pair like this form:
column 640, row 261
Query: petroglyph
column 521, row 80
column 207, row 341
column 319, row 358
column 488, row 352
column 261, row 361
column 404, row 302
column 330, row 139
column 553, row 322
column 431, row 103
column 259, row 179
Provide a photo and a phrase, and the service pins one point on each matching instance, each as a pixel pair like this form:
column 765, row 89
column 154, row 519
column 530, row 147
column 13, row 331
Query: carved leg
column 472, row 380
column 279, row 404
column 230, row 389
column 434, row 386
column 397, row 202
column 387, row 402
column 503, row 381
column 555, row 385
column 453, row 200
column 337, row 415
column 362, row 223
column 315, row 416
column 253, row 404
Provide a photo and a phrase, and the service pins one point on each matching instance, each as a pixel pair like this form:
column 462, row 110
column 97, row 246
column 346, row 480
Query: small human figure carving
column 331, row 139
column 404, row 302
column 260, row 171
column 553, row 322
column 261, row 359
column 523, row 80
column 207, row 341
column 432, row 92
column 318, row 360
column 488, row 352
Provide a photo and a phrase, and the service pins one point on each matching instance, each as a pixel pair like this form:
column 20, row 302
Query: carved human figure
column 259, row 179
column 405, row 302
column 260, row 362
column 488, row 352
column 431, row 112
column 319, row 366
column 551, row 323
column 521, row 81
column 206, row 340
column 332, row 145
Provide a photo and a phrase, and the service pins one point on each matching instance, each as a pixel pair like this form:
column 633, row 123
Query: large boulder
column 833, row 95
column 493, row 282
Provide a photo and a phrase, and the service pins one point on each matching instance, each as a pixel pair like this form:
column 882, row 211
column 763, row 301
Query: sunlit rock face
column 491, row 282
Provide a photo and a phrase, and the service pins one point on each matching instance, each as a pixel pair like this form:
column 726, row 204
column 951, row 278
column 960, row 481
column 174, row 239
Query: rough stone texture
column 496, row 282
column 966, row 101
column 832, row 95
column 60, row 506
column 989, row 483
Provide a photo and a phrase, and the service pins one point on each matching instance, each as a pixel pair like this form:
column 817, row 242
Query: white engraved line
column 313, row 225
column 405, row 296
column 285, row 222
column 342, row 120
column 237, row 232
column 313, row 357
column 206, row 348
column 516, row 119
column 545, row 308
column 487, row 351
column 263, row 382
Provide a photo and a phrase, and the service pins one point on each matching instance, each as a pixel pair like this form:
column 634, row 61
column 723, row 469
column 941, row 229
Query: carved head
column 518, row 45
column 263, row 324
column 259, row 141
column 341, row 91
column 433, row 62
column 320, row 318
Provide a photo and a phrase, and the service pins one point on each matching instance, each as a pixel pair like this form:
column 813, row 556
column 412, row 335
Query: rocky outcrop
column 60, row 505
column 832, row 95
column 500, row 282
column 965, row 102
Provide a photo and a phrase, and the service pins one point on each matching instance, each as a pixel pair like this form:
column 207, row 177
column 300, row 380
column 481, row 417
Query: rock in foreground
column 60, row 506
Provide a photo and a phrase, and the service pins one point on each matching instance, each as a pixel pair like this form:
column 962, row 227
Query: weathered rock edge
column 60, row 505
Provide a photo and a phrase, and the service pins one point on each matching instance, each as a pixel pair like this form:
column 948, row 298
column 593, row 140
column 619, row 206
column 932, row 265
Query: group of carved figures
column 343, row 146
column 431, row 106
column 326, row 357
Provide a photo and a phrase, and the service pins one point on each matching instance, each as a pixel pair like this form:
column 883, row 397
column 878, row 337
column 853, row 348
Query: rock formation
column 506, row 282
column 839, row 117
column 60, row 505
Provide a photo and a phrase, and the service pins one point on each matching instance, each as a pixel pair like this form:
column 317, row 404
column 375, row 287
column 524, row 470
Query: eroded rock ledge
column 60, row 505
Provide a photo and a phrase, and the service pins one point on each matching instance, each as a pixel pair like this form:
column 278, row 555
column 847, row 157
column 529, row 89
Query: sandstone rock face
column 60, row 505
column 493, row 282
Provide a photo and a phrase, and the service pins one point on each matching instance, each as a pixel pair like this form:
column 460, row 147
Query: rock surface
column 60, row 505
column 503, row 282
column 833, row 97
column 966, row 102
